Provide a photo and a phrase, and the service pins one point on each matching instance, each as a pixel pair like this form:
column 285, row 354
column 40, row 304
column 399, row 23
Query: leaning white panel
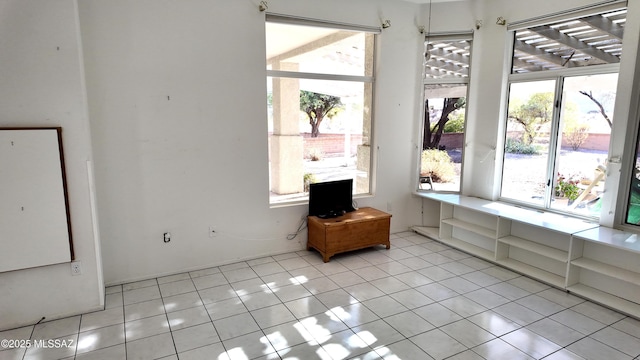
column 34, row 230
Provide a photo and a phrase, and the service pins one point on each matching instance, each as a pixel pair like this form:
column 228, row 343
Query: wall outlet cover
column 76, row 268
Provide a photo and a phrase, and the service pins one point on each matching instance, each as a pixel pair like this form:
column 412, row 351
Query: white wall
column 41, row 84
column 178, row 127
column 176, row 93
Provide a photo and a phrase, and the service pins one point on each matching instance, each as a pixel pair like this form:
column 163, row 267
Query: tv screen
column 330, row 198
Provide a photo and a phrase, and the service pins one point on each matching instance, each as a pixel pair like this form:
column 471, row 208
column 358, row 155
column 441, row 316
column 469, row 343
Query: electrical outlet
column 76, row 268
column 212, row 232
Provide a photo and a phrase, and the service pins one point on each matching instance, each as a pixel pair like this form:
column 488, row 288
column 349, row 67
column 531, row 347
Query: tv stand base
column 354, row 230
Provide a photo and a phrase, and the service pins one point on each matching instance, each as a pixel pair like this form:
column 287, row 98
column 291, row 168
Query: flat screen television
column 331, row 198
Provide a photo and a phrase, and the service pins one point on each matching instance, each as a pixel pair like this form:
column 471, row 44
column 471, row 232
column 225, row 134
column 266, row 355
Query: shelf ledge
column 532, row 271
column 606, row 299
column 428, row 231
column 480, row 230
column 469, row 248
column 553, row 253
column 608, row 270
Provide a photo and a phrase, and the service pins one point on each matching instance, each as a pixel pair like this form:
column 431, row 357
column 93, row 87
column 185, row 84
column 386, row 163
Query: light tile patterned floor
column 419, row 300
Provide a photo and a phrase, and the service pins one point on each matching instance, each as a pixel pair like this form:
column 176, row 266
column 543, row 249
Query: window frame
column 425, row 81
column 627, row 173
column 303, row 197
column 557, row 75
column 610, row 7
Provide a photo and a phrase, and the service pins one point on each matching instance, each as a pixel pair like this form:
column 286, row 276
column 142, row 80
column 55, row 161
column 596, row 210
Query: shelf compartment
column 537, row 248
column 468, row 248
column 611, row 237
column 606, row 299
column 428, row 231
column 532, row 271
column 592, row 261
column 480, row 230
column 608, row 270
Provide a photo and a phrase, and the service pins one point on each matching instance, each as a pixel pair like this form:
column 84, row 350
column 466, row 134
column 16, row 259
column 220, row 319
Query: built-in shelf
column 537, row 248
column 480, row 230
column 612, row 237
column 606, row 299
column 595, row 262
column 526, row 269
column 428, row 231
column 609, row 270
column 469, row 248
column 433, row 233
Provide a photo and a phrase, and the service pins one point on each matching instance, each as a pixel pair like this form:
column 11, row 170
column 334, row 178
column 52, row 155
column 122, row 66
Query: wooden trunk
column 355, row 230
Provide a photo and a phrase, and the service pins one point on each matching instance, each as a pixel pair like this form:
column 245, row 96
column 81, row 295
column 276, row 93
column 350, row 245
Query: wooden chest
column 355, row 230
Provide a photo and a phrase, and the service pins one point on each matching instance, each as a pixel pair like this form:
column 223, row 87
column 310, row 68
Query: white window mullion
column 318, row 76
column 554, row 144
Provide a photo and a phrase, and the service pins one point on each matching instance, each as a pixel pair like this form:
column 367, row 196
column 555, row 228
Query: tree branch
column 599, row 105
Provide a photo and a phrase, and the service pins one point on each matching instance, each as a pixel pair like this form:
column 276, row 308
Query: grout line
column 166, row 315
column 124, row 321
column 327, row 272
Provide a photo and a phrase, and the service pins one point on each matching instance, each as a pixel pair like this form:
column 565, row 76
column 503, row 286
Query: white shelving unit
column 605, row 266
column 538, row 251
column 598, row 263
column 464, row 229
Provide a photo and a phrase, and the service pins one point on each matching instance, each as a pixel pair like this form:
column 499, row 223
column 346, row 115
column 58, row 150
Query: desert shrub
column 309, row 178
column 455, row 124
column 576, row 136
column 438, row 165
column 315, row 154
column 516, row 146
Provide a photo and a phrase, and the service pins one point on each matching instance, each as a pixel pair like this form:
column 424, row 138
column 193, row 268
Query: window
column 560, row 111
column 633, row 200
column 446, row 78
column 320, row 91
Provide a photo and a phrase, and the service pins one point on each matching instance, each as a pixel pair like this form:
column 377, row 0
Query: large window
column 560, row 111
column 320, row 91
column 446, row 78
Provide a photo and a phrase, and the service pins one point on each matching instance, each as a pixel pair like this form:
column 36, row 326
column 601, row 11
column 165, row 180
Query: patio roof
column 587, row 41
column 579, row 42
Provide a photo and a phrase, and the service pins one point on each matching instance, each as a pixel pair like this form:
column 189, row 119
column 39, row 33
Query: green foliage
column 317, row 107
column 315, row 104
column 538, row 110
column 567, row 188
column 633, row 214
column 309, row 178
column 438, row 165
column 516, row 146
column 452, row 109
column 455, row 123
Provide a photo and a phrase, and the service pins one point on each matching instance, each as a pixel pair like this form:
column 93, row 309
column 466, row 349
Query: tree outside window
column 446, row 76
column 560, row 113
column 319, row 101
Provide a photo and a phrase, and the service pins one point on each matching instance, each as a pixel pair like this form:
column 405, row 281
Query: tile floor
column 419, row 300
